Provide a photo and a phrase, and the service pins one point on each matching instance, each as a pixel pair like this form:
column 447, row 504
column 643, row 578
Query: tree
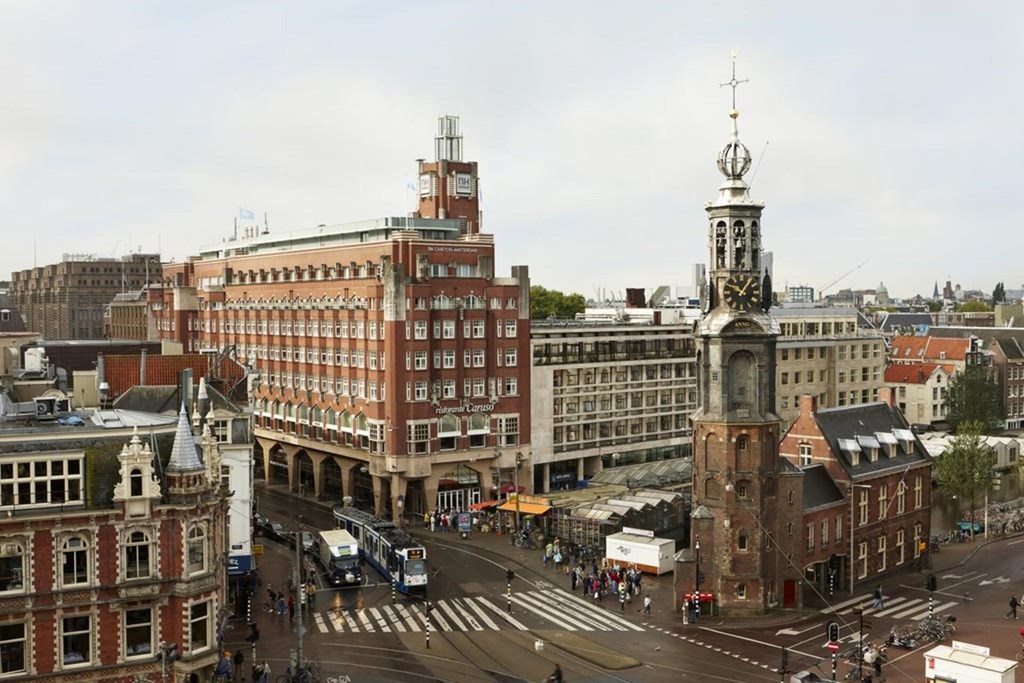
column 974, row 396
column 998, row 294
column 934, row 306
column 973, row 307
column 965, row 468
column 547, row 303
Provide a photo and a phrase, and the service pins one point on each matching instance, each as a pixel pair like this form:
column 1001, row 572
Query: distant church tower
column 736, row 462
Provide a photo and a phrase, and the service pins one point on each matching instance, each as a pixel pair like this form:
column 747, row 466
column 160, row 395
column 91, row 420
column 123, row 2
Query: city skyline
column 132, row 125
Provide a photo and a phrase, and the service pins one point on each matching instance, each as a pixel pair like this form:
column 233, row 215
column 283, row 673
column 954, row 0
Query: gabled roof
column 897, row 321
column 915, row 373
column 905, row 348
column 944, row 348
column 1011, row 348
column 819, row 488
column 122, row 372
column 850, row 429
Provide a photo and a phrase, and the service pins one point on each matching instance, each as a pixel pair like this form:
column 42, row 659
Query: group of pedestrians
column 600, row 581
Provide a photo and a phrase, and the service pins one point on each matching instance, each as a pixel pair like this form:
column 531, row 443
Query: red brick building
column 394, row 361
column 103, row 560
column 867, row 451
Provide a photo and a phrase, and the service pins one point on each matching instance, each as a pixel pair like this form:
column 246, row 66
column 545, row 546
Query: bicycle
column 307, row 672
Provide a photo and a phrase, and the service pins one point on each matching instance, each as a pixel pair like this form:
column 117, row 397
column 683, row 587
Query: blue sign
column 464, row 520
column 239, row 564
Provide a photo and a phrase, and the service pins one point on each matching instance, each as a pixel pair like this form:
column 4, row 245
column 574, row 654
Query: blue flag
column 246, row 215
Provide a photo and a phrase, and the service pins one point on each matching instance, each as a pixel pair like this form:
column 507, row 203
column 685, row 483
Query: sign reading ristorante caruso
column 470, row 408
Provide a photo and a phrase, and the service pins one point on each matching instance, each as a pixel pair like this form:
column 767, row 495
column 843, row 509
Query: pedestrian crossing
column 477, row 613
column 915, row 609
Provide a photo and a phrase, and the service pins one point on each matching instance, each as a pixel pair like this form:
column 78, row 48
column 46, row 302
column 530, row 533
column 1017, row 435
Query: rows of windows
column 78, row 637
column 41, row 481
column 878, row 546
column 645, row 348
column 77, row 559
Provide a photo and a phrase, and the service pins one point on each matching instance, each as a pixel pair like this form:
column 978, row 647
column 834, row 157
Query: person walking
column 556, row 676
column 647, row 605
column 879, row 604
column 237, row 660
column 1014, row 604
column 291, row 608
column 282, row 607
column 311, row 594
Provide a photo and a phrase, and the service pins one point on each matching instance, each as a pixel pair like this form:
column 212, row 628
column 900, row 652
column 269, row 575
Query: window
column 805, row 454
column 882, row 541
column 199, row 626
column 420, row 329
column 448, row 432
column 918, row 492
column 75, row 562
column 810, row 537
column 900, row 546
column 741, row 591
column 419, row 438
column 136, row 555
column 862, row 559
column 510, row 328
column 41, row 481
column 510, row 358
column 511, row 386
column 901, row 502
column 785, row 378
column 448, row 331
column 883, row 500
column 863, row 507
column 839, row 529
column 421, row 391
column 824, row 533
column 448, row 358
column 508, row 431
column 478, row 329
column 12, row 648
column 741, row 542
column 917, row 540
column 196, row 550
column 12, row 566
column 479, row 428
column 420, row 360
column 75, row 637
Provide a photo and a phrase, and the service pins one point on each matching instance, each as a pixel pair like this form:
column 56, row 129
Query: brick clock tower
column 736, row 465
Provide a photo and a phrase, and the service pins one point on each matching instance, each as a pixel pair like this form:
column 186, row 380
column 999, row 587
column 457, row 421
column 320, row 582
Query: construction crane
column 821, row 290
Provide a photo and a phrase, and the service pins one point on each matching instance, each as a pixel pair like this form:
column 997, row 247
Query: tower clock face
column 742, row 292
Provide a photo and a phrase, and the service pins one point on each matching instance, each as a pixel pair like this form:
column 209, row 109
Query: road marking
column 381, row 621
column 569, row 597
column 467, row 615
column 863, row 605
column 476, row 608
column 319, row 619
column 336, row 621
column 1019, row 540
column 396, row 621
column 507, row 617
column 841, row 605
column 570, row 611
column 351, row 623
column 366, row 621
column 940, row 608
column 912, row 610
column 998, row 579
column 904, row 604
column 581, row 623
column 442, row 604
column 516, row 598
column 759, row 642
column 409, row 619
column 435, row 615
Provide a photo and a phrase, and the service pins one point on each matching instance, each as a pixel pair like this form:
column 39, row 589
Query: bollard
column 509, row 596
column 393, row 582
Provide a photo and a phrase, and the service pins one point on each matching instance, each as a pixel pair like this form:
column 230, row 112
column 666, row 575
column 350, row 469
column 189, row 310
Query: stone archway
column 278, row 466
column 362, row 487
column 334, row 487
column 259, row 471
column 305, row 480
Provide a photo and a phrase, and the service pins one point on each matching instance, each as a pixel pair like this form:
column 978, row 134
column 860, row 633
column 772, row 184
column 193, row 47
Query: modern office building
column 606, row 394
column 393, row 359
column 67, row 300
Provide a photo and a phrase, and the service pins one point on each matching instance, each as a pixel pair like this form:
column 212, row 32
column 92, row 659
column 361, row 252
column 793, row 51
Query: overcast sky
column 894, row 129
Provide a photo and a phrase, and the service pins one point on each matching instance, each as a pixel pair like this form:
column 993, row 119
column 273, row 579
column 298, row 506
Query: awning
column 525, row 508
column 509, row 488
column 484, row 505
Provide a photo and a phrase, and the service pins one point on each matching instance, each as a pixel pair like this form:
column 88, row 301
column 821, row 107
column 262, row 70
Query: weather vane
column 732, row 83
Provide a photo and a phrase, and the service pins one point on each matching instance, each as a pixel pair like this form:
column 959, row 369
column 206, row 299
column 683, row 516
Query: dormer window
column 135, row 479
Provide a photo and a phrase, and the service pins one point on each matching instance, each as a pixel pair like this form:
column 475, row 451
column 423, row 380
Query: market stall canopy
column 484, row 505
column 525, row 508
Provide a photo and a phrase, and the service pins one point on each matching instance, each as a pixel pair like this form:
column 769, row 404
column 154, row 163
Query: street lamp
column 851, row 487
column 515, row 482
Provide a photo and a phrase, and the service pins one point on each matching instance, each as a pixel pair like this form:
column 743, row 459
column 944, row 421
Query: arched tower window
column 739, row 243
column 741, row 380
column 135, row 482
column 721, row 243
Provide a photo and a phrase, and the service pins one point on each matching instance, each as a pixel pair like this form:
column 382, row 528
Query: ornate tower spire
column 184, row 457
column 734, row 159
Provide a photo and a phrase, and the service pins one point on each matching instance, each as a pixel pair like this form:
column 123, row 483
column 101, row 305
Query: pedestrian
column 282, row 607
column 238, row 659
column 265, row 672
column 878, row 599
column 291, row 608
column 310, row 594
column 556, row 676
column 647, row 605
column 1014, row 604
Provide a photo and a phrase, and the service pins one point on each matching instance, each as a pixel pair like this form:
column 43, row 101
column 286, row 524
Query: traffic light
column 510, row 575
column 931, row 583
column 832, row 632
column 254, row 633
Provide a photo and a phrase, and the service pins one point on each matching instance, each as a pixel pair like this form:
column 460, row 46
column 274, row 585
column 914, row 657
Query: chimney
column 142, row 368
column 885, row 394
column 808, row 404
column 101, row 381
column 635, row 297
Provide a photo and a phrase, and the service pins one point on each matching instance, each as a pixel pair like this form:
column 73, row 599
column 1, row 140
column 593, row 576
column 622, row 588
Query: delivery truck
column 339, row 556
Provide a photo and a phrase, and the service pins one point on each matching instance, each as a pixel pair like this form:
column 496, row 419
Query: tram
column 391, row 551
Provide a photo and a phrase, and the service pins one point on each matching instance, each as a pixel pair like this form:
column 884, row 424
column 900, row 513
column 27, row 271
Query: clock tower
column 736, row 464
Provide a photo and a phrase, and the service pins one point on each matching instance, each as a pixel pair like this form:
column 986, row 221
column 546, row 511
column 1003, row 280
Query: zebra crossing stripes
column 477, row 613
column 938, row 608
column 896, row 605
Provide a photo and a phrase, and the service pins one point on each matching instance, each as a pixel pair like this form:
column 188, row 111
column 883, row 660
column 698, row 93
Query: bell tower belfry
column 735, row 428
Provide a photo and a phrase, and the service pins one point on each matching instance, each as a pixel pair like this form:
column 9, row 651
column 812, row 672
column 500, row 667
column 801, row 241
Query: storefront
column 458, row 489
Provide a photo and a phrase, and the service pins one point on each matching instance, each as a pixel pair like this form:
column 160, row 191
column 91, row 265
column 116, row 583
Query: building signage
column 239, row 564
column 424, row 185
column 637, row 532
column 455, row 250
column 557, row 477
column 470, row 408
column 463, row 183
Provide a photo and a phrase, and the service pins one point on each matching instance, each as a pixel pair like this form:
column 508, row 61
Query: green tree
column 934, row 307
column 965, row 468
column 998, row 294
column 974, row 396
column 548, row 303
column 974, row 307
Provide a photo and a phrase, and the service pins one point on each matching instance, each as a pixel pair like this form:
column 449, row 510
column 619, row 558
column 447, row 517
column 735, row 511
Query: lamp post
column 515, row 482
column 851, row 487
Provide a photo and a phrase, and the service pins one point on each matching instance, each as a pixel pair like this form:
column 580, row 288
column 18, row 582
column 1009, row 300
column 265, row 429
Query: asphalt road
column 362, row 634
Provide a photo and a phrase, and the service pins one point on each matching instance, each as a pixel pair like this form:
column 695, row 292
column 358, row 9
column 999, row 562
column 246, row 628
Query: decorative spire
column 184, row 457
column 734, row 160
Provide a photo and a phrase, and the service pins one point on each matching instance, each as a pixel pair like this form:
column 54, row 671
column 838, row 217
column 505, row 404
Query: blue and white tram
column 391, row 551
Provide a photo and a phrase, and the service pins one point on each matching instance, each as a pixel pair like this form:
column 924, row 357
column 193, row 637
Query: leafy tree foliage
column 998, row 294
column 547, row 303
column 974, row 396
column 974, row 307
column 934, row 306
column 965, row 468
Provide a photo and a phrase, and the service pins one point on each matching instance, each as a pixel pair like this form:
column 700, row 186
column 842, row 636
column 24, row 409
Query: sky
column 886, row 135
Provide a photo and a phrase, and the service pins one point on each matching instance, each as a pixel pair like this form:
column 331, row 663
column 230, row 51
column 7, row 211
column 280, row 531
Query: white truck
column 339, row 556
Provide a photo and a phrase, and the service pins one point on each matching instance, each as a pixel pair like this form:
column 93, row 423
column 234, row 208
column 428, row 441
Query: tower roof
column 734, row 160
column 184, row 456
